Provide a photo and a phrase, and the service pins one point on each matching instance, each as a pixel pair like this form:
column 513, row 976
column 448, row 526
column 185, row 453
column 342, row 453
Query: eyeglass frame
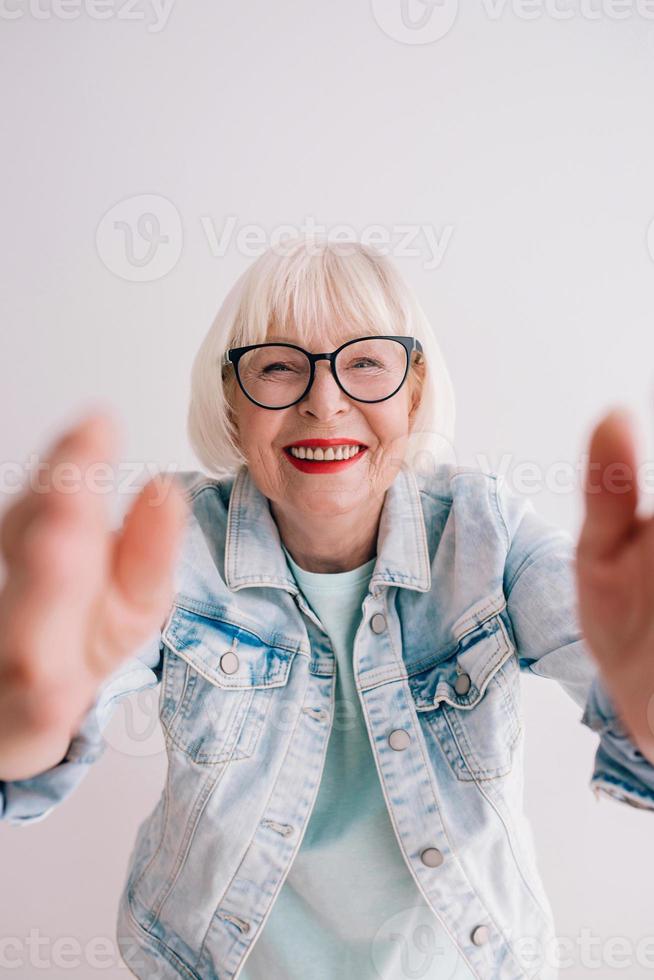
column 234, row 354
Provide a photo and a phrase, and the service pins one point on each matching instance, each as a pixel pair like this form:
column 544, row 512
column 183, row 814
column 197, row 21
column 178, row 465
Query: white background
column 529, row 138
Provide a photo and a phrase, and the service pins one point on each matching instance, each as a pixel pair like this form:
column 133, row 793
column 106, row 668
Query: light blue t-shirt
column 349, row 907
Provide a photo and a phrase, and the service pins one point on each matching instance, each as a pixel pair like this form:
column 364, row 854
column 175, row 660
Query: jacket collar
column 254, row 556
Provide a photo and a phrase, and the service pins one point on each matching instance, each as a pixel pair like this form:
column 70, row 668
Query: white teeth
column 331, row 453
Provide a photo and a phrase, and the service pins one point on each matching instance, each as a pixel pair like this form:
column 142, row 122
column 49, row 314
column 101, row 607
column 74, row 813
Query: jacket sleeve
column 28, row 800
column 541, row 593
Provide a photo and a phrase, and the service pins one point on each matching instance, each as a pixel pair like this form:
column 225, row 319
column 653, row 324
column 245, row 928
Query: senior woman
column 337, row 636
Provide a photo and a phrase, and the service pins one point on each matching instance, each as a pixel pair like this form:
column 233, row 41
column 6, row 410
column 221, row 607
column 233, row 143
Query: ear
column 236, row 435
column 233, row 418
column 231, row 414
column 415, row 396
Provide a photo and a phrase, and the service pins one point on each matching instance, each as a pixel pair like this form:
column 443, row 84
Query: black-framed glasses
column 278, row 375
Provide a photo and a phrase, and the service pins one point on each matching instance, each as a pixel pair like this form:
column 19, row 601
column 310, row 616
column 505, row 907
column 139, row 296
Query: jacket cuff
column 26, row 801
column 620, row 771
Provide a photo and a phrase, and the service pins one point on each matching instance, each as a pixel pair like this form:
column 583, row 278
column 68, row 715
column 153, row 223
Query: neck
column 335, row 544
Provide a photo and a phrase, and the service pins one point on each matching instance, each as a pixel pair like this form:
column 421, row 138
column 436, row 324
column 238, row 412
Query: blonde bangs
column 312, row 296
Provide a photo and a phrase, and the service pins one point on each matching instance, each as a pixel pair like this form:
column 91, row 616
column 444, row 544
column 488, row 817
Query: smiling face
column 313, row 491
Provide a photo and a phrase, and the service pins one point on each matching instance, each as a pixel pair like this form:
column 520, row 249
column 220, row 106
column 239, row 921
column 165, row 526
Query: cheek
column 388, row 452
column 252, row 425
column 259, row 437
column 391, row 425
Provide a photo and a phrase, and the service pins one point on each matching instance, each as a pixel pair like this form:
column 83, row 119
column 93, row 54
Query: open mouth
column 326, row 458
column 324, row 454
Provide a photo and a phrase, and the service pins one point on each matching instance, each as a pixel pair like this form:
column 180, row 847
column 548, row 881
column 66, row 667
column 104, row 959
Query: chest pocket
column 471, row 702
column 217, row 683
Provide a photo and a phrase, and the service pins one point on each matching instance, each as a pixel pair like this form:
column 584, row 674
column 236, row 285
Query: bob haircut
column 316, row 293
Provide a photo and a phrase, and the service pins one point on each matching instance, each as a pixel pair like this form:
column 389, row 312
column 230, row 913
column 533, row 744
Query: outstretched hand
column 615, row 577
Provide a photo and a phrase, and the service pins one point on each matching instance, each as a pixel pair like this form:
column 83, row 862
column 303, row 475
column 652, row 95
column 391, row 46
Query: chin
column 329, row 503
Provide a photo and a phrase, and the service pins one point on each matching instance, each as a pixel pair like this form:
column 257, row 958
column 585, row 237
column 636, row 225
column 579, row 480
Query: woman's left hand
column 615, row 578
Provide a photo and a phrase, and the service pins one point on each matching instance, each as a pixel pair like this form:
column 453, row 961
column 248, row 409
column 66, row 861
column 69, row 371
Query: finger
column 44, row 604
column 15, row 521
column 145, row 550
column 65, row 476
column 610, row 488
column 92, row 440
column 60, row 550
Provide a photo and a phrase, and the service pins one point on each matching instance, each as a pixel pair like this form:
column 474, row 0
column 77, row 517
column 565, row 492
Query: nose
column 324, row 398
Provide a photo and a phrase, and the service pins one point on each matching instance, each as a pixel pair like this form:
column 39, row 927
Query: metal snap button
column 480, row 935
column 378, row 623
column 432, row 857
column 462, row 684
column 399, row 739
column 229, row 662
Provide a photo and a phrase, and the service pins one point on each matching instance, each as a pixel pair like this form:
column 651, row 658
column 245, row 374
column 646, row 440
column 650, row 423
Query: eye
column 270, row 368
column 367, row 361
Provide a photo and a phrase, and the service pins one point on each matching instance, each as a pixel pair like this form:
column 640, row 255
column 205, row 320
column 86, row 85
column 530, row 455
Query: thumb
column 145, row 550
column 610, row 488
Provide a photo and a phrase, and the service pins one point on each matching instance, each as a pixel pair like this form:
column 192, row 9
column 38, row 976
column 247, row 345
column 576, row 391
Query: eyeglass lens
column 276, row 376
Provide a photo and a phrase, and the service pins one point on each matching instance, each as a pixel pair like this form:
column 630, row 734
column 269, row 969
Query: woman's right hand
column 79, row 598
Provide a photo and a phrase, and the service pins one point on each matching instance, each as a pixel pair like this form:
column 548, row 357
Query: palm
column 615, row 577
column 79, row 598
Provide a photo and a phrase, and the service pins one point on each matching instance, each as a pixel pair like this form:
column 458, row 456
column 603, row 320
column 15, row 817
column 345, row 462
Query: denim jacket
column 470, row 588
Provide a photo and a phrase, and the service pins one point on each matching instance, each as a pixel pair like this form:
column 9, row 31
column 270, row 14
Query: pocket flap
column 203, row 642
column 479, row 655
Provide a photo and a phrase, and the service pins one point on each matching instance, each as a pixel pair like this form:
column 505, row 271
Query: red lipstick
column 325, row 442
column 323, row 466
